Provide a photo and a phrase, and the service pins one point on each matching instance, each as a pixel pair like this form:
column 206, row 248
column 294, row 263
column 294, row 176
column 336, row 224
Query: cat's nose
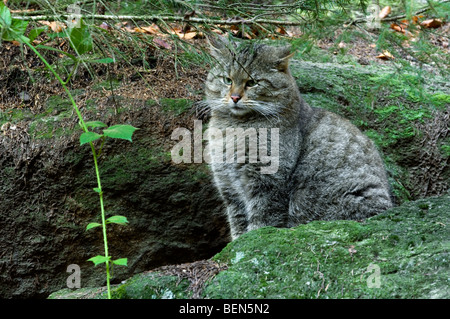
column 235, row 98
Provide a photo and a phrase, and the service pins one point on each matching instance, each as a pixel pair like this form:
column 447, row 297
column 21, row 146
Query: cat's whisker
column 269, row 110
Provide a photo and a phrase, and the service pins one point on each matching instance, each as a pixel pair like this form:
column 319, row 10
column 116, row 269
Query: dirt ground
column 166, row 78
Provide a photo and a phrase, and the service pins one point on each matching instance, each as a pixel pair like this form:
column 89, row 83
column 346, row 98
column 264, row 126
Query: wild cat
column 328, row 169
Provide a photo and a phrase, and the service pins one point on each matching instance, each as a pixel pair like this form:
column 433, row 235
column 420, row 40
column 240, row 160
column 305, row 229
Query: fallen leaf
column 161, row 43
column 386, row 55
column 187, row 35
column 384, row 12
column 151, row 29
column 105, row 26
column 217, row 31
column 404, row 21
column 397, row 27
column 402, row 28
column 431, row 23
column 55, row 26
column 281, row 30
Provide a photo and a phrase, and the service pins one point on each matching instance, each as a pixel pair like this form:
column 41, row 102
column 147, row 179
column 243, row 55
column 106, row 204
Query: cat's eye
column 251, row 83
column 227, row 80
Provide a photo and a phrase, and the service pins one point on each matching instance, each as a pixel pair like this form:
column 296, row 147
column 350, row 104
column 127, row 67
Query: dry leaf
column 151, row 29
column 137, row 29
column 397, row 27
column 384, row 12
column 386, row 55
column 162, row 44
column 187, row 35
column 431, row 23
column 281, row 30
column 105, row 26
column 55, row 26
column 402, row 28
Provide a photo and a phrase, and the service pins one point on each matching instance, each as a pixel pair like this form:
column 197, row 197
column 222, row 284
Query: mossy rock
column 402, row 253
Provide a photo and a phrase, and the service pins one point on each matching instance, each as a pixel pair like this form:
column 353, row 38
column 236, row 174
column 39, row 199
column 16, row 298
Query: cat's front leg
column 231, row 192
column 237, row 219
column 267, row 207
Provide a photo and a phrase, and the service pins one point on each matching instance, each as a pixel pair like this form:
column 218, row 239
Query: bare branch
column 163, row 18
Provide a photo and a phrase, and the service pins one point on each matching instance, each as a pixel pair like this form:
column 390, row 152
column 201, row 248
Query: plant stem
column 97, row 171
column 102, row 207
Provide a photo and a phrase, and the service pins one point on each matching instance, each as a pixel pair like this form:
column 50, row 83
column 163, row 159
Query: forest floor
column 169, row 79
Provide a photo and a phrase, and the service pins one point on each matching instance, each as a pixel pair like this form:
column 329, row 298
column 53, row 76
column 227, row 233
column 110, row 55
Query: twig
column 163, row 18
column 388, row 19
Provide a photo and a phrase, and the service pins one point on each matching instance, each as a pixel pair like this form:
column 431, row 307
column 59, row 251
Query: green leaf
column 34, row 33
column 104, row 60
column 11, row 29
column 97, row 190
column 87, row 137
column 80, row 39
column 5, row 16
column 95, row 124
column 92, row 225
column 19, row 26
column 54, row 35
column 121, row 220
column 121, row 262
column 99, row 259
column 120, row 131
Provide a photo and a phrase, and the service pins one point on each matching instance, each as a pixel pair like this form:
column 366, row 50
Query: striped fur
column 327, row 168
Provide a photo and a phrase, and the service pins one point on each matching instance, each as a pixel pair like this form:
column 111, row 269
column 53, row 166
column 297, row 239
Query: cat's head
column 249, row 78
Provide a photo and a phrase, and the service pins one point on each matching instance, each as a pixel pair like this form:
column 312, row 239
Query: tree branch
column 154, row 18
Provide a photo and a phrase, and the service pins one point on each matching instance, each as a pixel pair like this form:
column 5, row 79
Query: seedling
column 81, row 42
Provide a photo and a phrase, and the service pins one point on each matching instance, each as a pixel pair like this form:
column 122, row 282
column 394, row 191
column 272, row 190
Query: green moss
column 120, row 169
column 107, row 84
column 152, row 286
column 176, row 106
column 332, row 259
column 440, row 99
column 82, row 293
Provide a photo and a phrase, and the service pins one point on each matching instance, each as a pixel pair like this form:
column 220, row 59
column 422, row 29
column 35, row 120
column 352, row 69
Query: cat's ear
column 284, row 55
column 216, row 43
column 220, row 46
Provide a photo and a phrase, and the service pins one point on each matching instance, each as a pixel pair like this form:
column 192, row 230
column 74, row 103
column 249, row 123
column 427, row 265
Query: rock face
column 402, row 253
column 47, row 197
